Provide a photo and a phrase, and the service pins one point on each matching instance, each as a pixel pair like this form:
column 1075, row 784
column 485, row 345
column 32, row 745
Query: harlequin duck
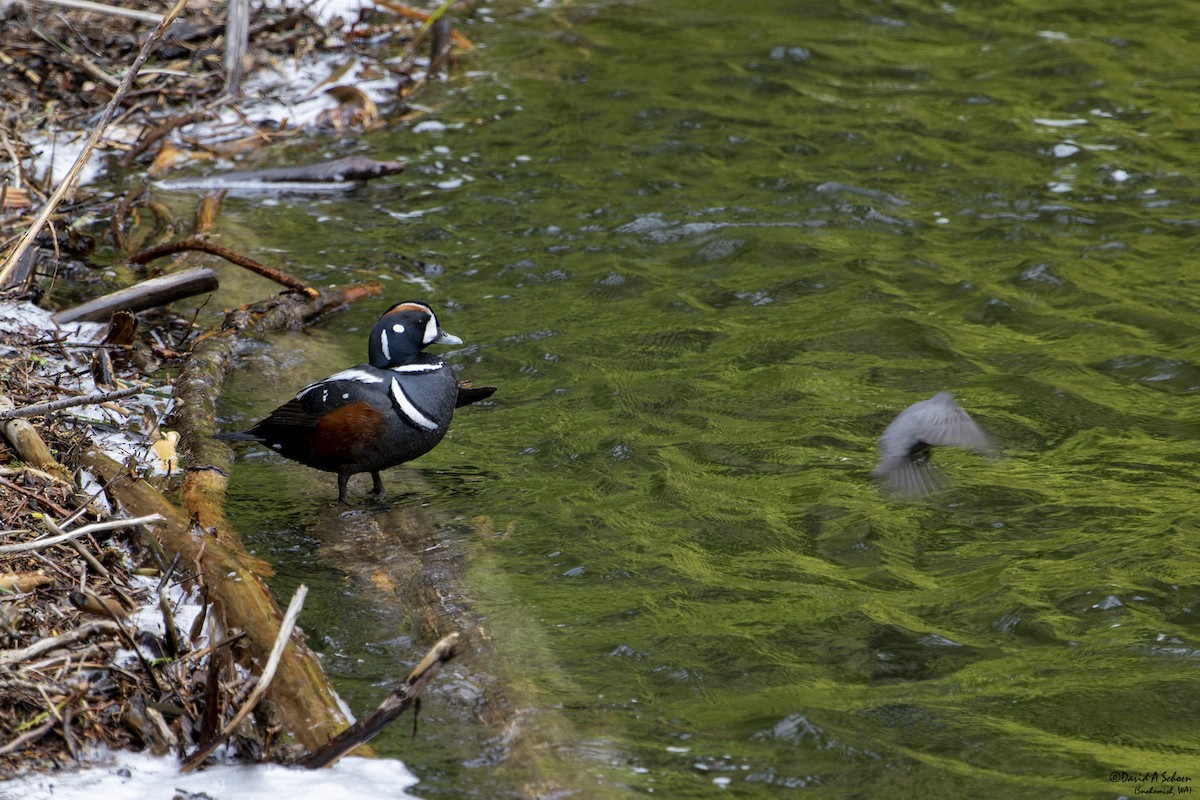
column 904, row 447
column 376, row 415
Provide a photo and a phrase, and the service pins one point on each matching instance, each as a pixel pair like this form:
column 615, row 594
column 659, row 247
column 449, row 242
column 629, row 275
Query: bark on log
column 29, row 443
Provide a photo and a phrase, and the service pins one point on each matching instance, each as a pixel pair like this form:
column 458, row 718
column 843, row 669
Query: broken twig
column 38, row 409
column 95, row 527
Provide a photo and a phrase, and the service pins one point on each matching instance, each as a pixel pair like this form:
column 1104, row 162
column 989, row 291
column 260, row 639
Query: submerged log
column 199, row 387
column 342, row 171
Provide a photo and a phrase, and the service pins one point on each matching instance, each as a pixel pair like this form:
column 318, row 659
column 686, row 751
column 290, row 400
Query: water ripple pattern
column 709, row 251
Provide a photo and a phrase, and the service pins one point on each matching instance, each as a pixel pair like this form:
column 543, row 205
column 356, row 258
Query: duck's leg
column 377, row 487
column 343, row 477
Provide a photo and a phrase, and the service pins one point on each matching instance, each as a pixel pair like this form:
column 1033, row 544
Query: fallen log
column 307, row 707
column 149, row 293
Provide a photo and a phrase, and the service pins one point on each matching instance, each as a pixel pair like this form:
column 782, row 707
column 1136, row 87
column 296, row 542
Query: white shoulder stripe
column 409, row 409
column 418, row 367
column 355, row 374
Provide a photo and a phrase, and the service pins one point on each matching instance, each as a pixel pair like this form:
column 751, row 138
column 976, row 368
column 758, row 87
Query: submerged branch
column 205, row 246
column 392, row 707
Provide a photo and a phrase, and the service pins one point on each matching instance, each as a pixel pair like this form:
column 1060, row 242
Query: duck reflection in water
column 907, row 443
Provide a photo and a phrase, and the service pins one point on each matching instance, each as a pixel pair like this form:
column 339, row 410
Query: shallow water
column 707, row 255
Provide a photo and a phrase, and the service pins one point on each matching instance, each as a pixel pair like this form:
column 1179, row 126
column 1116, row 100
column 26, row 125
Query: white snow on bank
column 135, row 776
column 120, row 435
column 291, row 89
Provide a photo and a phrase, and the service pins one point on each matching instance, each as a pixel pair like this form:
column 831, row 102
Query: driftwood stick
column 149, row 293
column 348, row 170
column 110, row 111
column 100, row 8
column 95, row 527
column 105, row 627
column 260, row 688
column 393, row 706
column 29, row 737
column 38, row 409
column 93, row 562
column 205, row 246
column 159, row 131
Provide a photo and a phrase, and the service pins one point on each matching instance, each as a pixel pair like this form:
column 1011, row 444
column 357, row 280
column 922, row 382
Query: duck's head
column 403, row 331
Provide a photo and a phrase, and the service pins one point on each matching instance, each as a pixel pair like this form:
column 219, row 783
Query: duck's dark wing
column 322, row 426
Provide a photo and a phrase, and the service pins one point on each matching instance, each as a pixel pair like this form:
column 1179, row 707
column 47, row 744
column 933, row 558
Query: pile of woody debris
column 99, row 647
column 108, row 640
column 61, row 61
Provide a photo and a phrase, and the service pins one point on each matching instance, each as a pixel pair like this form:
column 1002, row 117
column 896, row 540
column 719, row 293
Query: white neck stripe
column 409, row 409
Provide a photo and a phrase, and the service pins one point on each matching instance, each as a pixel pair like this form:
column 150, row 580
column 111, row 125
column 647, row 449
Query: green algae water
column 708, row 251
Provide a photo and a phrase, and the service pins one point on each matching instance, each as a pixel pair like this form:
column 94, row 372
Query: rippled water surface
column 708, row 250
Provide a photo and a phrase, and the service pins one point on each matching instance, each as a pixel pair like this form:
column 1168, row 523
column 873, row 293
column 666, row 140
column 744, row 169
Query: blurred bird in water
column 906, row 444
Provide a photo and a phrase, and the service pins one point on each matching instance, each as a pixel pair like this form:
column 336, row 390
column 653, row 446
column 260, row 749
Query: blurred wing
column 953, row 427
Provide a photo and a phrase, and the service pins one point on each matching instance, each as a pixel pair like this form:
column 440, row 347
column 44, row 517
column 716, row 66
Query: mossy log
column 301, row 695
column 304, row 701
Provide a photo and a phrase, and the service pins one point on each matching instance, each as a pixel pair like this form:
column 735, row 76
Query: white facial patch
column 409, row 409
column 398, row 328
column 383, row 345
column 431, row 330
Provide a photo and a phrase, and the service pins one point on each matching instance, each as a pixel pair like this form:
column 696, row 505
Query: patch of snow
column 118, row 435
column 135, row 776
